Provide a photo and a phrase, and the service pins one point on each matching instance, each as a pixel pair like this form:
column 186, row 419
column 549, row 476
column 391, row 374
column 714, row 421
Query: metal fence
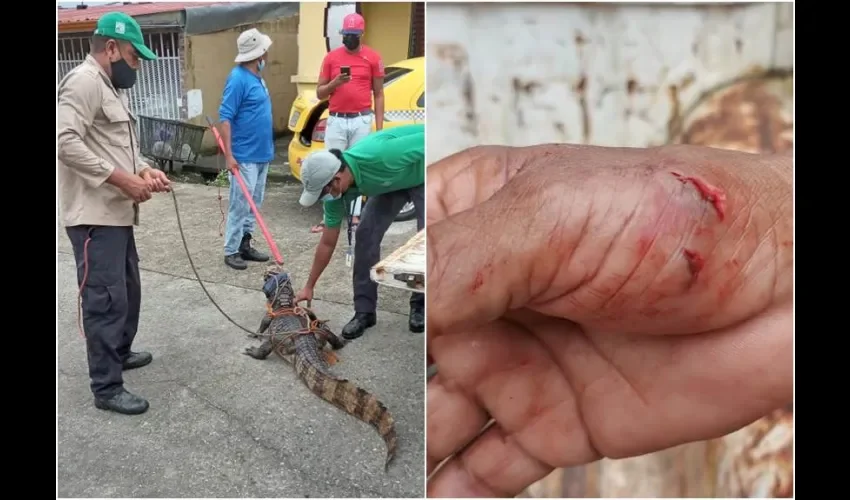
column 159, row 89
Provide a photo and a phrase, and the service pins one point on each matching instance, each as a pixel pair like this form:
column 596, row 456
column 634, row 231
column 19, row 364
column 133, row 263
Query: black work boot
column 358, row 324
column 235, row 261
column 123, row 402
column 416, row 320
column 249, row 253
column 137, row 360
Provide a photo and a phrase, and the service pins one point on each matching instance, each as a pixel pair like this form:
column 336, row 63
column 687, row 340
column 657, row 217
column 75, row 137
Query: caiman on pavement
column 295, row 332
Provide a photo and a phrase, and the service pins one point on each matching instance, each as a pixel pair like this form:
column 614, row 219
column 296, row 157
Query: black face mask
column 123, row 76
column 351, row 42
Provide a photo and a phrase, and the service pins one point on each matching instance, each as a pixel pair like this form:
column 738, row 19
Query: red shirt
column 354, row 95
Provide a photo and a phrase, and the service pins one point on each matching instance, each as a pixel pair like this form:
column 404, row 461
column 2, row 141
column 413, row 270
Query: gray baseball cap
column 317, row 170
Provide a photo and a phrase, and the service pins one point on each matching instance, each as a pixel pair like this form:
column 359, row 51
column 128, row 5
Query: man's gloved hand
column 601, row 302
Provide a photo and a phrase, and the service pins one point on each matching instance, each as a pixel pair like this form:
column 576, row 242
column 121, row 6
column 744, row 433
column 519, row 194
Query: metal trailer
column 166, row 141
column 405, row 267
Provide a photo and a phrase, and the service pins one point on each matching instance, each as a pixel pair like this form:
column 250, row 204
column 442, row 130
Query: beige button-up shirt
column 96, row 133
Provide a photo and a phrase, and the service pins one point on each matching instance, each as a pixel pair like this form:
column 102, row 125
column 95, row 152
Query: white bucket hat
column 251, row 44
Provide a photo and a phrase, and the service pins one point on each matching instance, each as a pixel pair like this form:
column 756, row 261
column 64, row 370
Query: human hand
column 135, row 188
column 232, row 164
column 306, row 293
column 595, row 302
column 157, row 181
column 340, row 79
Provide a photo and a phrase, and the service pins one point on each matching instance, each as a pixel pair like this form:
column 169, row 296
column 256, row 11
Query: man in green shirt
column 388, row 167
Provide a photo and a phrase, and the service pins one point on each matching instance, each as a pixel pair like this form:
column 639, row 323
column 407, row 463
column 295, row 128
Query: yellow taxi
column 404, row 104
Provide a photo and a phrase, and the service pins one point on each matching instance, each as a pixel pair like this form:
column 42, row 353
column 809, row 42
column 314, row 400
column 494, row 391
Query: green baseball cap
column 120, row 26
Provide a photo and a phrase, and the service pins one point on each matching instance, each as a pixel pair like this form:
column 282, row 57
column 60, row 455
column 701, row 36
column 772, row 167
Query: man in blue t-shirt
column 246, row 129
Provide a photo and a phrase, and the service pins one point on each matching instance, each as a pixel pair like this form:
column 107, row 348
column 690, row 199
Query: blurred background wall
column 626, row 75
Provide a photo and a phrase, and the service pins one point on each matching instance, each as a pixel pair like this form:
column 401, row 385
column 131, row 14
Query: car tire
column 408, row 212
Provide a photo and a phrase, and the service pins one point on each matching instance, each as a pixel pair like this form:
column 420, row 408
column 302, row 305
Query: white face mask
column 330, row 197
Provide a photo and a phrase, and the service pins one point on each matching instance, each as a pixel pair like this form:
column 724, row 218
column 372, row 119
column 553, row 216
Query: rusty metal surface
column 606, row 75
column 754, row 115
column 757, row 461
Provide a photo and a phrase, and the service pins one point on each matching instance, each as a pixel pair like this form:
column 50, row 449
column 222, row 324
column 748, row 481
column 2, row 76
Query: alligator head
column 277, row 287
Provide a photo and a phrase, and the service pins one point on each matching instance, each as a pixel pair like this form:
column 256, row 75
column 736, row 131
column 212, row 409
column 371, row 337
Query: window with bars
column 159, row 88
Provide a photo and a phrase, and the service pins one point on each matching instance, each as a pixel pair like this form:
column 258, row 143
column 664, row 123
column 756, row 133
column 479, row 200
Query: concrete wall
column 311, row 44
column 209, row 58
column 387, row 31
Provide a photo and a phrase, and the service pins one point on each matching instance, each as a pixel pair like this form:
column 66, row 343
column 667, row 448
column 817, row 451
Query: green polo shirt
column 382, row 162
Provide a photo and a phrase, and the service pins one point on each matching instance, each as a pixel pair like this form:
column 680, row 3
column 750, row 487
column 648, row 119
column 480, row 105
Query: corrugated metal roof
column 69, row 16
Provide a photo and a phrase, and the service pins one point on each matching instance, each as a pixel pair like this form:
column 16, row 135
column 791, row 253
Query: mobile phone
column 345, row 70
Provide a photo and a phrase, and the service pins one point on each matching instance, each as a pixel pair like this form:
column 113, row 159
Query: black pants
column 111, row 300
column 375, row 218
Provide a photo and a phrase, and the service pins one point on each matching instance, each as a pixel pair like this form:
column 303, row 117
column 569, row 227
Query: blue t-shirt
column 246, row 104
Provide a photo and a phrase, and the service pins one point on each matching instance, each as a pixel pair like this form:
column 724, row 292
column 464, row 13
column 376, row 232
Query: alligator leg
column 264, row 325
column 260, row 352
column 335, row 342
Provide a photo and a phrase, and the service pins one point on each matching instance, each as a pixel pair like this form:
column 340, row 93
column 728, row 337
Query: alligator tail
column 352, row 400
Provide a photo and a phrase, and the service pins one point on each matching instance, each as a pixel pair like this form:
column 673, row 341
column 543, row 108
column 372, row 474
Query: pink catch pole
column 260, row 221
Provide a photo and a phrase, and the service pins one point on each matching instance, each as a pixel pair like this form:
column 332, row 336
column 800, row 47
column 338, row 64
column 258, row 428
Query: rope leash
column 314, row 326
column 82, row 286
column 194, row 270
column 189, row 254
column 186, row 246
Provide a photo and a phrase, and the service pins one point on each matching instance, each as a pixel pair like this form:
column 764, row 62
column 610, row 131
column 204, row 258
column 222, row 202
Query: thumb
column 625, row 240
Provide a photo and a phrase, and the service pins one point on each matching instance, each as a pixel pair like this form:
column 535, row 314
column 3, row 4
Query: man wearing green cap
column 388, row 167
column 102, row 180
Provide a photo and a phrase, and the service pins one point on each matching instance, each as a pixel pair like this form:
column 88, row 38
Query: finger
column 463, row 180
column 513, row 376
column 453, row 420
column 677, row 389
column 494, row 466
column 618, row 242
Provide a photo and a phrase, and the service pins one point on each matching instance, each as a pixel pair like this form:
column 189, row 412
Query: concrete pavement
column 222, row 424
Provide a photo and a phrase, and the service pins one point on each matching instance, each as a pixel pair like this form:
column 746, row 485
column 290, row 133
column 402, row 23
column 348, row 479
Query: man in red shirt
column 349, row 77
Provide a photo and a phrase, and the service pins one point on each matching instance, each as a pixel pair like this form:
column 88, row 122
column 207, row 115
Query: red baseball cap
column 353, row 24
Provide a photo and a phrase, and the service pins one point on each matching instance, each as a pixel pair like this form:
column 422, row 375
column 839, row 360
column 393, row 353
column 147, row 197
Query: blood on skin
column 479, row 278
column 695, row 262
column 709, row 193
